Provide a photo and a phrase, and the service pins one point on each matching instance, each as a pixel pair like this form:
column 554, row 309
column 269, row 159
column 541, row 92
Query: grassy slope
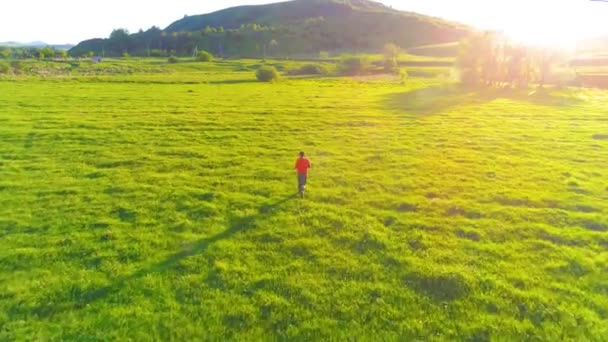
column 146, row 210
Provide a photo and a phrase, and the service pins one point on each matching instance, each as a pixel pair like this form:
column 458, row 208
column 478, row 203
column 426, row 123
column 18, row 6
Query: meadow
column 157, row 202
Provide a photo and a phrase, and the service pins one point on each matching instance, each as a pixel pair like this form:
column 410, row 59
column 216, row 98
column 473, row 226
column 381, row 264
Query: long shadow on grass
column 435, row 100
column 198, row 247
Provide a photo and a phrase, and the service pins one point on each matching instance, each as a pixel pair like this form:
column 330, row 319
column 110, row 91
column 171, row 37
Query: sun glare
column 552, row 23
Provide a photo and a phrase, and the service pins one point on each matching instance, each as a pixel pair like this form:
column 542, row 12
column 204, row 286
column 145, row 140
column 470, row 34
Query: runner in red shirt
column 302, row 166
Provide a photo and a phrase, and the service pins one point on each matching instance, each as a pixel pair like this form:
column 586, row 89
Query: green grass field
column 160, row 205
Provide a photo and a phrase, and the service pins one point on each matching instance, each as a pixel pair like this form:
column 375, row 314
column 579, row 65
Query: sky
column 545, row 22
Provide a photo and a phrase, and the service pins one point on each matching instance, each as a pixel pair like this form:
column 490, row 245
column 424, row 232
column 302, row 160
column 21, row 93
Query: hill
column 276, row 14
column 285, row 29
column 36, row 44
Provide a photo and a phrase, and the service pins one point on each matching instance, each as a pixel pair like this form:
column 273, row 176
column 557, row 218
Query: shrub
column 125, row 55
column 267, row 74
column 17, row 67
column 156, row 53
column 4, row 68
column 353, row 65
column 309, row 69
column 204, row 56
column 172, row 59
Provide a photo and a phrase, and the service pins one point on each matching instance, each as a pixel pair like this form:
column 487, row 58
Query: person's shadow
column 198, row 247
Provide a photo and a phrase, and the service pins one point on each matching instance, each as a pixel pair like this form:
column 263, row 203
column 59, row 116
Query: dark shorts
column 302, row 181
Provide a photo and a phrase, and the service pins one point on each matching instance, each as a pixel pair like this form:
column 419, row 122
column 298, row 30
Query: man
column 302, row 166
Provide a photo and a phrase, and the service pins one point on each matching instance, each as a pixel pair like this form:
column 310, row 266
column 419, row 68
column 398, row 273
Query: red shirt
column 302, row 165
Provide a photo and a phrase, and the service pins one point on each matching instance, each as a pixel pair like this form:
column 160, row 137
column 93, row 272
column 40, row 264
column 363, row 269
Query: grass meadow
column 158, row 202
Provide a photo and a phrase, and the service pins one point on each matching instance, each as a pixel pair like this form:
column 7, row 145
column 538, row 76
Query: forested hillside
column 283, row 29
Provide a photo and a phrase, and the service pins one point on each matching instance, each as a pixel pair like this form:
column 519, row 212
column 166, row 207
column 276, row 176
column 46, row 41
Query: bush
column 353, row 66
column 204, row 56
column 267, row 74
column 4, row 68
column 156, row 53
column 17, row 67
column 172, row 60
column 309, row 69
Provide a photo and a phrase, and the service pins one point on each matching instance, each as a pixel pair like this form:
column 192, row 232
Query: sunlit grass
column 159, row 206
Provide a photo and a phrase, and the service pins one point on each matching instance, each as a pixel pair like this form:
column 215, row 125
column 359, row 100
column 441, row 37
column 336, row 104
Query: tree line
column 47, row 52
column 356, row 33
column 248, row 39
column 492, row 59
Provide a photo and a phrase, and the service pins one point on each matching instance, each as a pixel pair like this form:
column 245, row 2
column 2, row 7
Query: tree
column 391, row 51
column 545, row 60
column 63, row 54
column 119, row 41
column 46, row 52
column 391, row 58
column 470, row 58
column 209, row 30
column 483, row 59
column 5, row 53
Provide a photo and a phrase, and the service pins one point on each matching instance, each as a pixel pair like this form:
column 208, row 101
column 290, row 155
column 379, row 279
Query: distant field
column 156, row 202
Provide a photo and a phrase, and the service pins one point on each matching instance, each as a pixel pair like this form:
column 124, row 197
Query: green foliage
column 125, row 55
column 204, row 56
column 47, row 52
column 354, row 65
column 4, row 68
column 157, row 53
column 267, row 74
column 172, row 59
column 309, row 69
column 119, row 42
column 5, row 53
column 284, row 30
column 17, row 66
column 493, row 60
column 391, row 58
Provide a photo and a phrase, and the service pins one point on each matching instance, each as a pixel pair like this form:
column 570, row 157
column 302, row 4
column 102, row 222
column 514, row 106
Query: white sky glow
column 547, row 22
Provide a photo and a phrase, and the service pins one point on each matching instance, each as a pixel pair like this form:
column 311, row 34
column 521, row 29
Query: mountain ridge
column 295, row 27
column 35, row 44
